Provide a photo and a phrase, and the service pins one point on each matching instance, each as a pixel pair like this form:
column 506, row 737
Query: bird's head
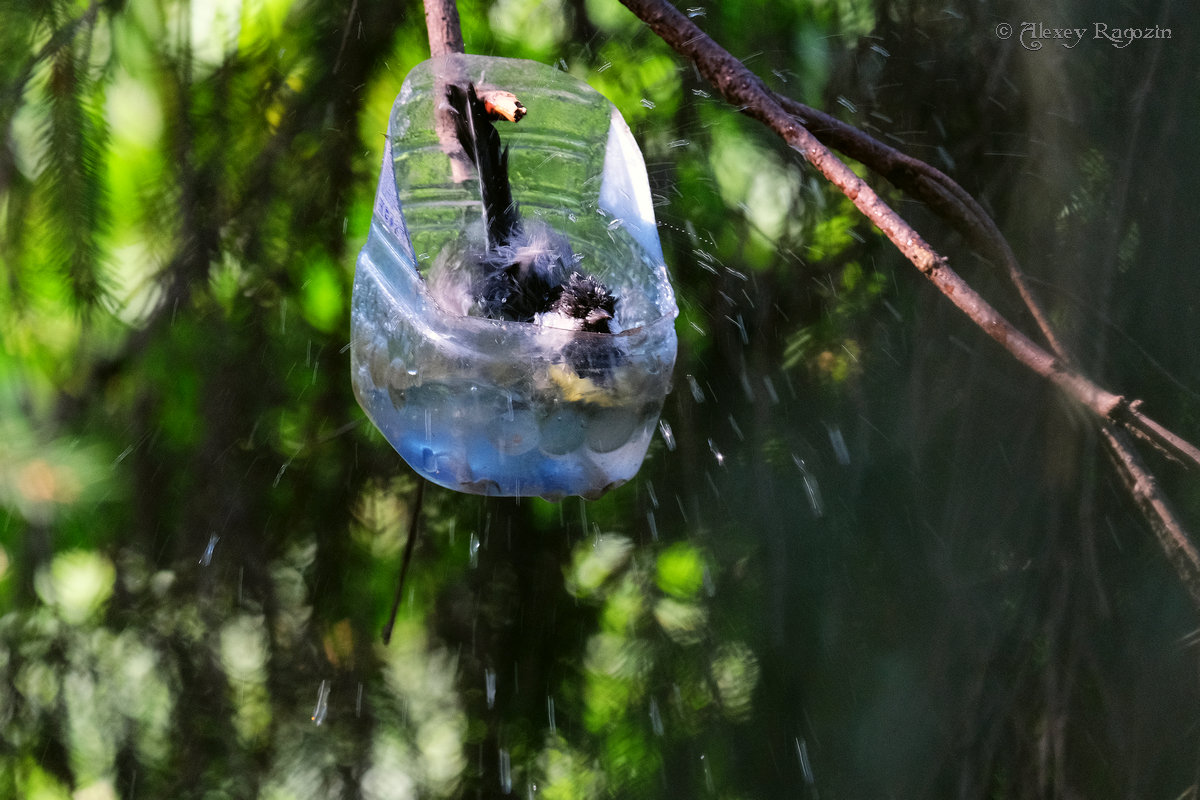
column 585, row 304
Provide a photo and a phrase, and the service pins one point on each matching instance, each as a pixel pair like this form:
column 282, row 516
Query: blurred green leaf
column 680, row 571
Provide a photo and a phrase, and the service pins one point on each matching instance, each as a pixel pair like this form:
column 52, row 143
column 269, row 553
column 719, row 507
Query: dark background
column 868, row 555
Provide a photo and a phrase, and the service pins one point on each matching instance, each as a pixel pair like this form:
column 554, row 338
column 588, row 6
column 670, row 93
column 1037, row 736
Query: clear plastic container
column 501, row 407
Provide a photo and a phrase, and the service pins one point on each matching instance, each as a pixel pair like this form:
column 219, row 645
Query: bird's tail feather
column 481, row 142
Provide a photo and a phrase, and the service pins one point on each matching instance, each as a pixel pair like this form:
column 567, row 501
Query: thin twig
column 1156, row 434
column 1154, row 506
column 414, row 519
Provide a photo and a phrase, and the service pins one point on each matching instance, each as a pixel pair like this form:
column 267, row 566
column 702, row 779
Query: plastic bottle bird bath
column 493, row 406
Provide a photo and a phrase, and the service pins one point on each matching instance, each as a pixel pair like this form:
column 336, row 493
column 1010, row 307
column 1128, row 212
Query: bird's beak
column 598, row 315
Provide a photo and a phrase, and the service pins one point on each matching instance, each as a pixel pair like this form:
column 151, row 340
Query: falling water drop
column 505, row 772
column 770, row 386
column 805, row 765
column 650, row 492
column 810, row 487
column 322, row 707
column 668, row 435
column 717, row 454
column 206, row 559
column 838, row 442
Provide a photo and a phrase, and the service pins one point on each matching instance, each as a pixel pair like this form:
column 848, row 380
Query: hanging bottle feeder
column 512, row 348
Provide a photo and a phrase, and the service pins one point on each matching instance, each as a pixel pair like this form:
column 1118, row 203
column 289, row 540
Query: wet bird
column 525, row 271
column 582, row 303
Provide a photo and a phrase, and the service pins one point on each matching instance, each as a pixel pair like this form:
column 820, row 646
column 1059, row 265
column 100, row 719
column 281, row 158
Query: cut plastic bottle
column 494, row 406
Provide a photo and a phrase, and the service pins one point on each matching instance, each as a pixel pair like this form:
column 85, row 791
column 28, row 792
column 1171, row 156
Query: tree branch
column 445, row 31
column 1154, row 506
column 742, row 88
column 933, row 187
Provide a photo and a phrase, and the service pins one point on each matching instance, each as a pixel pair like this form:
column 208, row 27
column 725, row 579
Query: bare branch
column 932, row 186
column 1168, row 441
column 445, row 32
column 742, row 88
column 1154, row 506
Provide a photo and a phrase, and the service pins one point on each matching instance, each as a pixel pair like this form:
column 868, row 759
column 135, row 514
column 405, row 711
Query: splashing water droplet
column 770, row 386
column 717, row 454
column 656, row 723
column 322, row 707
column 206, row 559
column 838, row 442
column 668, row 435
column 810, row 487
column 805, row 765
column 505, row 771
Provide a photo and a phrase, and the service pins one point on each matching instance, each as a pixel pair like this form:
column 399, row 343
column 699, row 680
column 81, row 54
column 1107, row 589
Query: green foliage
column 831, row 348
column 200, row 532
column 680, row 571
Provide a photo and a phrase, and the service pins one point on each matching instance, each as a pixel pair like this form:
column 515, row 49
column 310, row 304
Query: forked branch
column 803, row 129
